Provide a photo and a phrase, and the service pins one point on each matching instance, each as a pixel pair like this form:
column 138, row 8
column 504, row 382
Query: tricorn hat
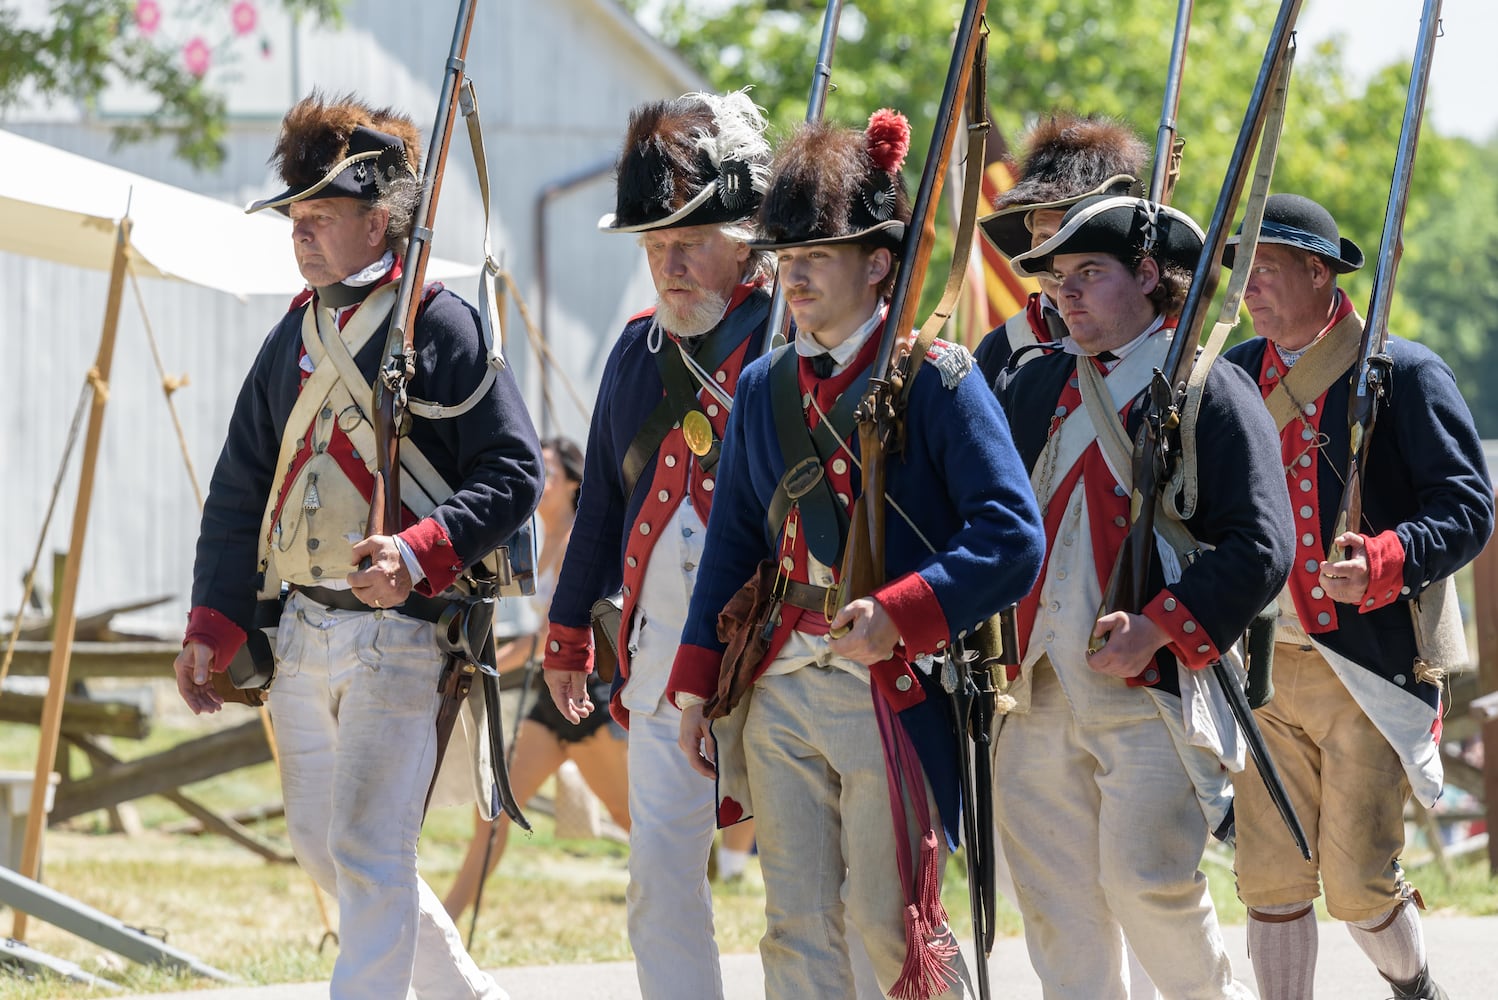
column 1123, row 226
column 1299, row 222
column 833, row 184
column 1068, row 158
column 698, row 160
column 341, row 149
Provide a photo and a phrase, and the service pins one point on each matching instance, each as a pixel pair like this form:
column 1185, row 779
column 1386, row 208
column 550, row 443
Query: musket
column 1375, row 365
column 1165, row 400
column 1167, row 163
column 779, row 324
column 392, row 414
column 390, row 404
column 880, row 420
column 877, row 417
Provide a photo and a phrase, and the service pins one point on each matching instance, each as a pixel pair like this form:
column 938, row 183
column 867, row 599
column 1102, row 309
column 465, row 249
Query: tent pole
column 66, row 617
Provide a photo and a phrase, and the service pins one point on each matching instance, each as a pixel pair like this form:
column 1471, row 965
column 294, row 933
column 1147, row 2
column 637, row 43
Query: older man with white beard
column 690, row 176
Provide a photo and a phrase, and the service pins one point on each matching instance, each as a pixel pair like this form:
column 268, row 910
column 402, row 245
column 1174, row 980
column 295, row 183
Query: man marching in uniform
column 1355, row 721
column 1067, row 158
column 356, row 695
column 689, row 179
column 843, row 748
column 1104, row 792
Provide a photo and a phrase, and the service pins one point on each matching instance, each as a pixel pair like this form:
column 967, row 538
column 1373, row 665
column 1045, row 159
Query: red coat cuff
column 911, row 604
column 1188, row 640
column 569, row 647
column 1385, row 571
column 695, row 671
column 214, row 630
column 434, row 550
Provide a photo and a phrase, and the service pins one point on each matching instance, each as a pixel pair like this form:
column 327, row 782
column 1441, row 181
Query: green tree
column 1450, row 278
column 1091, row 56
column 85, row 45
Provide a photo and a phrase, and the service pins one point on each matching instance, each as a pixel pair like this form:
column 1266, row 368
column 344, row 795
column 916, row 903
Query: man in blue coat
column 356, row 693
column 690, row 178
column 843, row 748
column 1368, row 616
column 1109, row 774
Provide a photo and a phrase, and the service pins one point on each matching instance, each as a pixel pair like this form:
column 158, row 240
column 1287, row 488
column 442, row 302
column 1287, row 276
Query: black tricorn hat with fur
column 833, row 184
column 341, row 148
column 698, row 160
column 1068, row 157
column 1296, row 221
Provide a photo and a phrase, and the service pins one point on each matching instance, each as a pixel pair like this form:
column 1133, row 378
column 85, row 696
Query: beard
column 695, row 320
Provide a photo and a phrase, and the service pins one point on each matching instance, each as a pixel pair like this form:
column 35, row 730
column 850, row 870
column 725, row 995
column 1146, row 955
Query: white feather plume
column 741, row 134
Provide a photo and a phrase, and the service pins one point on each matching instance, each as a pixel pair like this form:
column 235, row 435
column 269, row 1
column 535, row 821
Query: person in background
column 545, row 740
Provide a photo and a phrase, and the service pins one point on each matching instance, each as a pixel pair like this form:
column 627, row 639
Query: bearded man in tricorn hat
column 690, row 177
column 840, row 743
column 1067, row 158
column 356, row 695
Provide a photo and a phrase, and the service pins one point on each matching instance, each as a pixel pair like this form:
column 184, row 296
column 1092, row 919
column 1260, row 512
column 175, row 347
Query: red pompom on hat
column 888, row 137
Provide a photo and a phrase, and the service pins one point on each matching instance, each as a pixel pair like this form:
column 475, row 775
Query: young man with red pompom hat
column 843, row 749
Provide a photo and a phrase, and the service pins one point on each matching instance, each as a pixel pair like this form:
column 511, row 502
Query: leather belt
column 427, row 609
column 806, row 596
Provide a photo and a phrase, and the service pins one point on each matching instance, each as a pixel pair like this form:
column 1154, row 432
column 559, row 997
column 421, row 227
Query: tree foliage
column 84, row 46
column 1099, row 57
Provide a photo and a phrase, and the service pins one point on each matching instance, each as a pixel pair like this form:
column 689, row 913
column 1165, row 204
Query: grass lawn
column 551, row 901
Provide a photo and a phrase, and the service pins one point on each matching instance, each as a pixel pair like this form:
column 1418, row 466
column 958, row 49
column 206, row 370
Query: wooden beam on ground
column 80, row 716
column 106, row 763
column 26, row 896
column 217, row 753
column 99, row 659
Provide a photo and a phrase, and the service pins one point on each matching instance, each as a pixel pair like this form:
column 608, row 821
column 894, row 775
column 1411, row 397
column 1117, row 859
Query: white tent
column 65, row 208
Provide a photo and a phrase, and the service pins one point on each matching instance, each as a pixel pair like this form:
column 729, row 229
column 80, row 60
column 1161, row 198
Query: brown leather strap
column 1281, row 918
column 806, row 596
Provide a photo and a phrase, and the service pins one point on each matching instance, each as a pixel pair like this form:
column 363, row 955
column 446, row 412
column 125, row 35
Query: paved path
column 1463, row 953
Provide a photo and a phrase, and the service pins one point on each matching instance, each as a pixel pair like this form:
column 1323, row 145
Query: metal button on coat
column 902, row 683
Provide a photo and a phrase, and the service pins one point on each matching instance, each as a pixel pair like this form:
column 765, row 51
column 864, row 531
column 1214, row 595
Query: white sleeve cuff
column 409, row 558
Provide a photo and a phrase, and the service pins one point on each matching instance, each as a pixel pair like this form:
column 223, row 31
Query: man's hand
column 387, row 582
column 569, row 691
column 192, row 666
column 1131, row 642
column 696, row 741
column 1346, row 582
column 872, row 634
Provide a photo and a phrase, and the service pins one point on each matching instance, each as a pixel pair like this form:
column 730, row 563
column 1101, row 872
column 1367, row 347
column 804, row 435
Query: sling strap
column 806, row 451
column 680, row 394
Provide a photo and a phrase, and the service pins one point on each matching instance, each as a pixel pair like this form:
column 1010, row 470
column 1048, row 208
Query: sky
column 1463, row 96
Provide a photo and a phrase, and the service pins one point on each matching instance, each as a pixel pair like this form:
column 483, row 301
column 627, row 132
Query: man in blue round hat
column 1368, row 622
column 1109, row 772
column 356, row 693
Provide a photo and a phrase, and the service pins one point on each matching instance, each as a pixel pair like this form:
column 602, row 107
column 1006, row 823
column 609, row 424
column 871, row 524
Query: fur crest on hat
column 675, row 150
column 1068, row 155
column 315, row 136
column 836, row 184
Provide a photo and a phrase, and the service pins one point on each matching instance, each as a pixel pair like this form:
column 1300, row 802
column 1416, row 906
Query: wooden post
column 65, row 617
column 1485, row 611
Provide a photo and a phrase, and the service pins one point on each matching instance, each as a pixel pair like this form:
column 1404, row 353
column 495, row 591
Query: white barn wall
column 555, row 78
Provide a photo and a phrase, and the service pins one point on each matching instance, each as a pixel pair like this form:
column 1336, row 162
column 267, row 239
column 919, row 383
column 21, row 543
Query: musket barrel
column 1204, row 282
column 1399, row 188
column 816, row 105
column 1165, row 135
column 920, row 234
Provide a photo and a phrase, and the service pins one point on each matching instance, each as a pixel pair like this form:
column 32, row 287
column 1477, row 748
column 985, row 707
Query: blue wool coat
column 490, row 454
column 1426, row 480
column 960, row 480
